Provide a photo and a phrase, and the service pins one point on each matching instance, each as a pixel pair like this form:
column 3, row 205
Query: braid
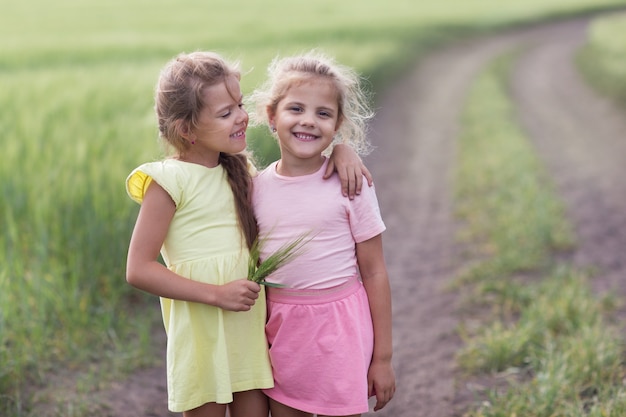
column 236, row 167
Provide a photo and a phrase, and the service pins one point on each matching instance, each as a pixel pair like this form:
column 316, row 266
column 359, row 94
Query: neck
column 297, row 168
column 208, row 160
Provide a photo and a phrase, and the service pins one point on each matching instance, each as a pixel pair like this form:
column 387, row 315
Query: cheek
column 333, row 126
column 282, row 121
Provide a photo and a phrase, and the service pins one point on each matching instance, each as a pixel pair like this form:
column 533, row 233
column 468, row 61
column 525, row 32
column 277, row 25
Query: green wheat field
column 76, row 100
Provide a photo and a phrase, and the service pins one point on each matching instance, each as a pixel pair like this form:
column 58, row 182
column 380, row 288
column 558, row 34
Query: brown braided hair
column 236, row 167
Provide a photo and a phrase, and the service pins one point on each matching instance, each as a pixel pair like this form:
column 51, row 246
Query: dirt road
column 580, row 136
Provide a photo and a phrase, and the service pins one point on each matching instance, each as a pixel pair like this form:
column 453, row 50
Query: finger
column 381, row 402
column 383, row 397
column 251, row 295
column 345, row 183
column 352, row 186
column 378, row 405
column 242, row 307
column 253, row 286
column 368, row 175
column 359, row 184
column 389, row 395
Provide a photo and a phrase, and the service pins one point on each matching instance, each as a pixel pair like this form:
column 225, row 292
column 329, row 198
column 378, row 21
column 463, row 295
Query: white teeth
column 304, row 137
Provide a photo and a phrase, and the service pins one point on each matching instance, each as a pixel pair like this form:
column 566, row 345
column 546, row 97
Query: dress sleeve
column 167, row 176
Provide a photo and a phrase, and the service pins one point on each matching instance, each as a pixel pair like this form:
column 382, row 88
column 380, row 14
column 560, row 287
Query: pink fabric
column 288, row 207
column 320, row 348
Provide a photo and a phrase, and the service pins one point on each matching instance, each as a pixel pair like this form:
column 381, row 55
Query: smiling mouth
column 304, row 137
column 239, row 135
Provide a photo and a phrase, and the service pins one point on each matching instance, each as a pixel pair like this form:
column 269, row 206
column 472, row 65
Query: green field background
column 76, row 100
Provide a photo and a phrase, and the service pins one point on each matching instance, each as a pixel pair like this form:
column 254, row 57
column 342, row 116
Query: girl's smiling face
column 222, row 122
column 306, row 120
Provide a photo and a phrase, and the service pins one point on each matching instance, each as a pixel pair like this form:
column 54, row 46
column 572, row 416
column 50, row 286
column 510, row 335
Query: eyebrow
column 298, row 103
column 229, row 106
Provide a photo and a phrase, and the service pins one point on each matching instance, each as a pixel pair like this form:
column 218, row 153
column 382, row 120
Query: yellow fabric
column 211, row 353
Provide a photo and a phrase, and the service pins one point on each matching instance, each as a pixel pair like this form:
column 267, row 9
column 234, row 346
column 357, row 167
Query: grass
column 516, row 224
column 76, row 82
column 539, row 331
column 602, row 58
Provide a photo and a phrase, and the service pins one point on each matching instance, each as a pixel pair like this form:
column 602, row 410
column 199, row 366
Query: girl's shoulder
column 265, row 173
column 158, row 170
column 170, row 174
column 177, row 169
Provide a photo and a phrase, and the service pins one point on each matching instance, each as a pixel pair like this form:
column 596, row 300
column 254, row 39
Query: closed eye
column 227, row 112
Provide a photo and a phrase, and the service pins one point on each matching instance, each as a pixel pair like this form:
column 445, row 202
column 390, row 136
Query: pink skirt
column 321, row 345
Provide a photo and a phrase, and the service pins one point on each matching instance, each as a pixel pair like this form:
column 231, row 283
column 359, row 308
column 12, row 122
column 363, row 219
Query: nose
column 242, row 116
column 307, row 120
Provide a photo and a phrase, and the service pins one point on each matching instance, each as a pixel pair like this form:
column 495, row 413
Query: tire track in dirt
column 415, row 133
column 581, row 136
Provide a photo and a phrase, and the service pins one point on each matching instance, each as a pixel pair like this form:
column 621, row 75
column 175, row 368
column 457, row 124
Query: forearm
column 156, row 279
column 379, row 296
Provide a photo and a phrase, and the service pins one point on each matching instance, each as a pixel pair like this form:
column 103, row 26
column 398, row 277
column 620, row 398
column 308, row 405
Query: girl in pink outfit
column 329, row 326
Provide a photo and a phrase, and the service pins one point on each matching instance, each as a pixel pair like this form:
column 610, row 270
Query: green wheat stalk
column 258, row 271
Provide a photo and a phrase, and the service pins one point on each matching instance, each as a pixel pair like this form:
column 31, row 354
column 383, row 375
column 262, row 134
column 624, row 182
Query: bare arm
column 350, row 169
column 381, row 378
column 143, row 270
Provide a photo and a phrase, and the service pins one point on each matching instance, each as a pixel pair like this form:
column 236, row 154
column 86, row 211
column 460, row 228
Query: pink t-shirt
column 288, row 207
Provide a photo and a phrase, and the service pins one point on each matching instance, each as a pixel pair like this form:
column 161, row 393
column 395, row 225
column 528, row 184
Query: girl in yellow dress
column 196, row 212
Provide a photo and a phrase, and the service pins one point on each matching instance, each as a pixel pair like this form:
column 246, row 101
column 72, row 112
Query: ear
column 184, row 129
column 271, row 113
column 338, row 124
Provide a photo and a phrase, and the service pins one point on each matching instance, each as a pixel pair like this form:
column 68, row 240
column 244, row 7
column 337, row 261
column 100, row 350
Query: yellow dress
column 211, row 352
